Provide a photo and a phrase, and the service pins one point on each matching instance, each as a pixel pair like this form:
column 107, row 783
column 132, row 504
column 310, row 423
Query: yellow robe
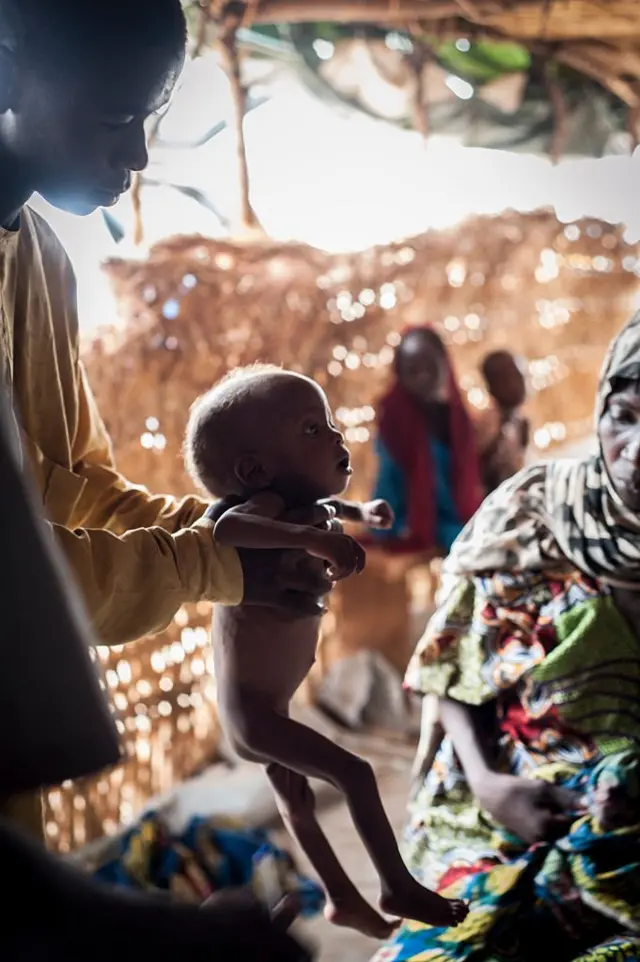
column 137, row 557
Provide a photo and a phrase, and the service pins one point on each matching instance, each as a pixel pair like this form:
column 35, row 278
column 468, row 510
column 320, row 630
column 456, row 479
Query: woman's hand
column 533, row 810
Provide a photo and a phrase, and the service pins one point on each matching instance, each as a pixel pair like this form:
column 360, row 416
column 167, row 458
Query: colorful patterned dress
column 558, row 670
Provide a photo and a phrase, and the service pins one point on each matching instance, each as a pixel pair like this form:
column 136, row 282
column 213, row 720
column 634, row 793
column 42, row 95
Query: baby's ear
column 252, row 473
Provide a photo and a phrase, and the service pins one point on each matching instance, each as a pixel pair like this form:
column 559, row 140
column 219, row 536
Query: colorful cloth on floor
column 209, row 856
column 557, row 670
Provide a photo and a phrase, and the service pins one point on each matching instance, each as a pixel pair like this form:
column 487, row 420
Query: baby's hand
column 344, row 554
column 377, row 514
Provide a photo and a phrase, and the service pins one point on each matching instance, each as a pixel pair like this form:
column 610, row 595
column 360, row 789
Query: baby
column 503, row 432
column 263, row 441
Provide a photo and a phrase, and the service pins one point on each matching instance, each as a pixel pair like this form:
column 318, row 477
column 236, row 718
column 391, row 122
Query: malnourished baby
column 263, row 441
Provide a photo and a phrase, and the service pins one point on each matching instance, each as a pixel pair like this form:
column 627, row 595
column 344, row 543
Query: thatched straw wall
column 554, row 293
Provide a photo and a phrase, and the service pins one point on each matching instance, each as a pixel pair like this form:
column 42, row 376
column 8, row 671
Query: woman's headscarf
column 404, row 433
column 564, row 514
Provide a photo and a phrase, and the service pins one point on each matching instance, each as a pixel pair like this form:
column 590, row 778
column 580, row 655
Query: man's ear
column 8, row 79
column 252, row 474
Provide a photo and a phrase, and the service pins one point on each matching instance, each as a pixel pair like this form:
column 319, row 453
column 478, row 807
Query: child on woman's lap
column 264, row 442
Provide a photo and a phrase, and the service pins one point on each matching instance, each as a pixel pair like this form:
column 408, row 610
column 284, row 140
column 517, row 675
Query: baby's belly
column 260, row 650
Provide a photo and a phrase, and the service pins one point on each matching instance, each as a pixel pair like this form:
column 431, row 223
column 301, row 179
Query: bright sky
column 334, row 179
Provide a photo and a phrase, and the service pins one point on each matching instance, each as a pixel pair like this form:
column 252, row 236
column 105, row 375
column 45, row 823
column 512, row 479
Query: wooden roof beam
column 349, row 11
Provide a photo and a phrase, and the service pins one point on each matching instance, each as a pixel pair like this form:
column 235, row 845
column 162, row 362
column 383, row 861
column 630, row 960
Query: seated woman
column 428, row 467
column 531, row 806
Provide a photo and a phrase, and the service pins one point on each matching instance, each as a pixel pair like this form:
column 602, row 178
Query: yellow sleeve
column 137, row 557
column 108, row 500
column 134, row 584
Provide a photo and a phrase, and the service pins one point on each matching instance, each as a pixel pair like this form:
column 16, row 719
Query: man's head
column 78, row 79
column 264, row 428
column 504, row 379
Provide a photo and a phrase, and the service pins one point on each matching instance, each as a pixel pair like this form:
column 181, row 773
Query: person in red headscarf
column 428, row 463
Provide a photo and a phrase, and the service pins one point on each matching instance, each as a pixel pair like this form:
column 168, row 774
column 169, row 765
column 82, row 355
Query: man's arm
column 64, row 729
column 109, row 500
column 134, row 584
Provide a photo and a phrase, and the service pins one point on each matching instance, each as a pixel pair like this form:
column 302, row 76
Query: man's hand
column 260, row 935
column 531, row 809
column 277, row 579
column 377, row 514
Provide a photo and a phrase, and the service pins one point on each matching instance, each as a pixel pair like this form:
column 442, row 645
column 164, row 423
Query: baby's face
column 309, row 460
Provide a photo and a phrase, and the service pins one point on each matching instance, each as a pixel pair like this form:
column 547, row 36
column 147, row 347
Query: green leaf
column 484, row 61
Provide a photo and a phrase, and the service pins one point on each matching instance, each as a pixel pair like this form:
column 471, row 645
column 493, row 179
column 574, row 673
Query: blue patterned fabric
column 209, row 856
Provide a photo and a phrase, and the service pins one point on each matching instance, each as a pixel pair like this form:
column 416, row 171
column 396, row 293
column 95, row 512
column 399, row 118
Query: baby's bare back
column 262, row 650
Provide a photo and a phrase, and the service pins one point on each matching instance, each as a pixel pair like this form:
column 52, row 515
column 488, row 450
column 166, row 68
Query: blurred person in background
column 428, row 468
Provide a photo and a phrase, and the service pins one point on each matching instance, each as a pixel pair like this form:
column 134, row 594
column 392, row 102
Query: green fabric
column 594, row 672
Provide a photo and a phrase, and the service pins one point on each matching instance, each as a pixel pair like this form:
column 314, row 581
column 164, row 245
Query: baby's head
column 504, row 379
column 264, row 428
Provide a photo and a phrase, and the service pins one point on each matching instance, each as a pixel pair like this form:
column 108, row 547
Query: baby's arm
column 257, row 524
column 375, row 514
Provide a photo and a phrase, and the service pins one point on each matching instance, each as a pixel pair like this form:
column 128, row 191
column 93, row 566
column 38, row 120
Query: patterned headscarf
column 564, row 514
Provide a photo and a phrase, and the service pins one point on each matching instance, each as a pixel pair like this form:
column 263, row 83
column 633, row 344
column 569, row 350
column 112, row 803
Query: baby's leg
column 276, row 737
column 345, row 905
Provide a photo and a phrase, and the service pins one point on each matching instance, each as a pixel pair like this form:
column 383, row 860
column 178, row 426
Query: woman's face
column 422, row 368
column 619, row 433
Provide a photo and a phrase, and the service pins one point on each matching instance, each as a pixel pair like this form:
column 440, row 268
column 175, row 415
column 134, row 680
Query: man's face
column 80, row 134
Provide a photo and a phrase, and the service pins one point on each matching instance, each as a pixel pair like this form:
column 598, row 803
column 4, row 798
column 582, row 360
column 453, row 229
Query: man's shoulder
column 37, row 234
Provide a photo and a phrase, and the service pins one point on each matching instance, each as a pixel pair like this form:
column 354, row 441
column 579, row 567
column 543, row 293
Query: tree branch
column 418, row 60
column 342, row 11
column 231, row 19
column 154, row 131
column 559, row 108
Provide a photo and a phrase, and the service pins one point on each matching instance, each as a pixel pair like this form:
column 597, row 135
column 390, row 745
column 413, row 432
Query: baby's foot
column 353, row 912
column 421, row 905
